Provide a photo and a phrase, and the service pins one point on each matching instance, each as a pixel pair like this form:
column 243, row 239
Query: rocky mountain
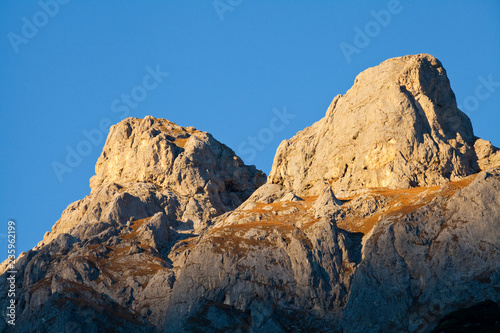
column 397, row 127
column 384, row 216
column 105, row 264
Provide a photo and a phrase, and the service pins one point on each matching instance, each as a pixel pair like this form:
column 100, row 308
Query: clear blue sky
column 228, row 68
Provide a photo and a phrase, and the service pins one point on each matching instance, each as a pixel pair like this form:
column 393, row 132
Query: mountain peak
column 161, row 163
column 397, row 127
column 184, row 159
column 177, row 235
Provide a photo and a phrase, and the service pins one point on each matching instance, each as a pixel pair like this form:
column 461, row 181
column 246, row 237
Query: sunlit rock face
column 156, row 184
column 195, row 175
column 397, row 127
column 384, row 216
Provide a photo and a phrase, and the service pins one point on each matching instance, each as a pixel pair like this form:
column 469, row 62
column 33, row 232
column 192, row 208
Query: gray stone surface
column 398, row 127
column 156, row 184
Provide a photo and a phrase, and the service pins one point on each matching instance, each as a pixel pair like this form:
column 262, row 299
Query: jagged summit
column 201, row 176
column 160, row 152
column 397, row 127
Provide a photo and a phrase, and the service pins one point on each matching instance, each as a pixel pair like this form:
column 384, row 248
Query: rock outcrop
column 156, row 183
column 382, row 217
column 152, row 163
column 397, row 127
column 428, row 258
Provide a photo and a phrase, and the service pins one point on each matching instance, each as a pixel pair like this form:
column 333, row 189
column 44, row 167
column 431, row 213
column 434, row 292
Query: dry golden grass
column 116, row 312
column 274, row 217
column 180, row 142
column 277, row 220
column 401, row 202
column 135, row 225
column 117, row 259
column 185, row 245
column 230, row 239
column 177, row 132
column 45, row 282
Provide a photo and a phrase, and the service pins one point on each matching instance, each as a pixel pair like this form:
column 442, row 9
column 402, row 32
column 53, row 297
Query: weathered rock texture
column 382, row 217
column 397, row 127
column 384, row 261
column 153, row 163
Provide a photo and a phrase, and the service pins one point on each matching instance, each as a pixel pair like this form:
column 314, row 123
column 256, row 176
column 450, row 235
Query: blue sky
column 252, row 73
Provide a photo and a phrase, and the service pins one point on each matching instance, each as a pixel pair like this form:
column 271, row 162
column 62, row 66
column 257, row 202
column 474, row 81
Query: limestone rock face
column 421, row 265
column 185, row 160
column 384, row 261
column 156, row 184
column 397, row 127
column 270, row 265
column 151, row 163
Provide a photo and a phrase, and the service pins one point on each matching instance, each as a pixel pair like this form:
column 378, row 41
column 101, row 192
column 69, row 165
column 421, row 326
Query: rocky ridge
column 384, row 216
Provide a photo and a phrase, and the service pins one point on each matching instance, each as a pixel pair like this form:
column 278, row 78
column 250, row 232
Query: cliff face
column 397, row 127
column 384, row 216
column 163, row 166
